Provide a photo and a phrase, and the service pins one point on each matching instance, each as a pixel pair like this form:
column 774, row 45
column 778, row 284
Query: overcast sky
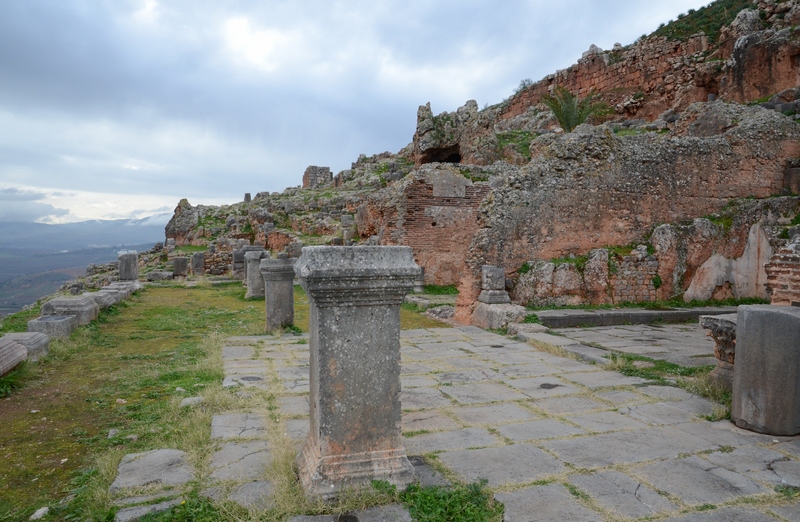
column 118, row 108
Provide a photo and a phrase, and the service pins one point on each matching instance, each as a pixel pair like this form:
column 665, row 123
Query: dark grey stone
column 54, row 326
column 180, row 266
column 129, row 267
column 698, row 481
column 159, row 275
column 12, row 354
column 252, row 274
column 35, row 343
column 198, row 264
column 240, row 461
column 84, row 309
column 278, row 276
column 766, row 378
column 355, row 295
column 517, row 463
column 167, row 467
column 135, row 513
column 551, row 503
column 618, row 492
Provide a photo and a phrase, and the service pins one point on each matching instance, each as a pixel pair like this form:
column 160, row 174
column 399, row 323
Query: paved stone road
column 558, row 438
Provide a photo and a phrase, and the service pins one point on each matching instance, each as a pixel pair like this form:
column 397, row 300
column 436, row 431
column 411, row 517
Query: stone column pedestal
column 199, row 264
column 129, row 267
column 253, row 277
column 493, row 282
column 278, row 275
column 766, row 376
column 355, row 295
column 722, row 328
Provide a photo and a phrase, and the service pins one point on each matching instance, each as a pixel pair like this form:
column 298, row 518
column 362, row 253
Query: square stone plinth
column 36, row 343
column 54, row 326
column 12, row 354
column 84, row 309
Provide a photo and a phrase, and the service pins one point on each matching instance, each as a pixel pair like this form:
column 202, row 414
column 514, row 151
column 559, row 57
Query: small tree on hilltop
column 570, row 111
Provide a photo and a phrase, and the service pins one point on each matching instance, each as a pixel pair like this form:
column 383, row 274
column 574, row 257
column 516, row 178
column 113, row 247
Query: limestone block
column 83, row 308
column 198, row 264
column 166, row 467
column 493, row 278
column 419, row 282
column 159, row 275
column 180, row 266
column 129, row 267
column 492, row 316
column 12, row 354
column 103, row 299
column 354, row 436
column 766, row 376
column 278, row 275
column 494, row 297
column 128, row 286
column 54, row 326
column 722, row 328
column 37, row 344
column 253, row 278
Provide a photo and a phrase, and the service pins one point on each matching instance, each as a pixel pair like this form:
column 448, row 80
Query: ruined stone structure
column 315, row 177
column 355, row 295
column 783, row 274
column 434, row 212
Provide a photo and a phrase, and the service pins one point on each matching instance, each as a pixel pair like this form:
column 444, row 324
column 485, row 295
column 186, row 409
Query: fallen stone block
column 103, row 299
column 180, row 266
column 722, row 328
column 84, row 309
column 163, row 467
column 36, row 343
column 493, row 316
column 12, row 354
column 135, row 513
column 54, row 326
column 159, row 275
column 129, row 266
column 766, row 376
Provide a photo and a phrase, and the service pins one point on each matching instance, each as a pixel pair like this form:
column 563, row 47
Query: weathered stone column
column 766, row 376
column 278, row 277
column 253, row 277
column 722, row 328
column 493, row 282
column 129, row 267
column 180, row 266
column 199, row 264
column 355, row 295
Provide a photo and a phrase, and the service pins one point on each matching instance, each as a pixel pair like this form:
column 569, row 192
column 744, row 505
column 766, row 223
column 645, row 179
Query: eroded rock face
column 183, row 223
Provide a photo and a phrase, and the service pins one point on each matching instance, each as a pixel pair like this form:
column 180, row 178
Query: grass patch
column 191, row 249
column 656, row 370
column 709, row 19
column 18, row 322
column 518, row 140
column 441, row 290
column 458, row 503
column 14, row 380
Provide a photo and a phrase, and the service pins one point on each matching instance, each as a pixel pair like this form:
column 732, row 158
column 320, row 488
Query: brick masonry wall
column 439, row 228
column 783, row 276
column 656, row 65
column 633, row 281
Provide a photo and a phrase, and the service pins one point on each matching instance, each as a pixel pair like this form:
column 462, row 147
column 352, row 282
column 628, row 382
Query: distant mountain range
column 85, row 234
column 36, row 259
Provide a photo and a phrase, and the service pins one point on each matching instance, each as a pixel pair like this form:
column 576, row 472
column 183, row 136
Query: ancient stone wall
column 434, row 211
column 783, row 275
column 635, row 279
column 629, row 76
column 315, row 177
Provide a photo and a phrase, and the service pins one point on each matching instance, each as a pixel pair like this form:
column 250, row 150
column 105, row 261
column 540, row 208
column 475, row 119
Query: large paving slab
column 610, row 447
column 162, row 467
column 551, row 502
column 622, row 494
column 240, row 461
column 698, row 481
column 517, row 463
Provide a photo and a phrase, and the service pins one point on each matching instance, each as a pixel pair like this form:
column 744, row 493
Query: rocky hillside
column 698, row 164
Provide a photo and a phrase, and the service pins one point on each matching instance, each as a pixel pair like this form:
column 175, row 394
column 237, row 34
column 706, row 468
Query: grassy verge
column 128, row 371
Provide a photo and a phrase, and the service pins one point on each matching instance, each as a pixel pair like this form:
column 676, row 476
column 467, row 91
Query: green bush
column 571, row 111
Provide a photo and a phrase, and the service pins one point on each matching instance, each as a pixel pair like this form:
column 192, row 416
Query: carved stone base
column 494, row 297
column 327, row 476
column 722, row 375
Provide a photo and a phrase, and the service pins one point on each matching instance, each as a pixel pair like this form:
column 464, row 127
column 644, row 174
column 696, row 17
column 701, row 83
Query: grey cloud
column 15, row 194
column 26, row 211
